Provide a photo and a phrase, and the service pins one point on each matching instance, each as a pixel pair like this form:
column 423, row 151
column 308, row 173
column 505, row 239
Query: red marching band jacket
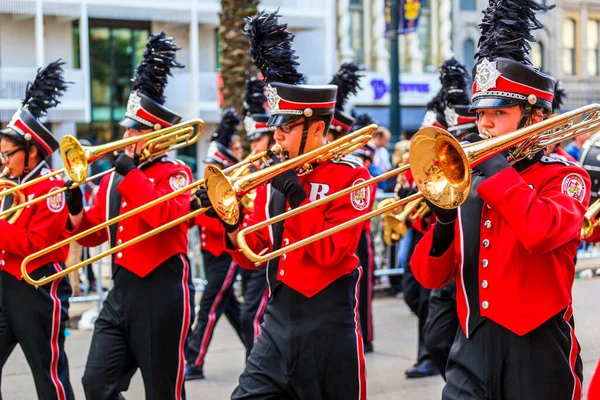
column 137, row 188
column 39, row 226
column 212, row 232
column 529, row 233
column 312, row 268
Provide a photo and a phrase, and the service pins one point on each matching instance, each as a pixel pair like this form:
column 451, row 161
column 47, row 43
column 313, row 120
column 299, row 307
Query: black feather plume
column 43, row 92
column 347, row 81
column 271, row 48
column 455, row 83
column 506, row 29
column 158, row 59
column 254, row 97
column 437, row 103
column 226, row 128
column 363, row 120
column 559, row 96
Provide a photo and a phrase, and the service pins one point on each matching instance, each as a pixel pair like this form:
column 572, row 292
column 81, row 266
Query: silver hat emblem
column 487, row 75
column 429, row 119
column 249, row 125
column 273, row 98
column 133, row 104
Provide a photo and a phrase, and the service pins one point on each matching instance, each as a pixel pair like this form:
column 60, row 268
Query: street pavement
column 395, row 350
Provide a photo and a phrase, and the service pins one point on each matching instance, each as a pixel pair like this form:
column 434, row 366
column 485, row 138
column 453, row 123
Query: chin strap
column 526, row 116
column 26, row 160
column 304, row 137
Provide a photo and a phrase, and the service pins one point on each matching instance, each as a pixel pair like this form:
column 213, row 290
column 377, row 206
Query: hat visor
column 133, row 124
column 493, row 102
column 283, row 119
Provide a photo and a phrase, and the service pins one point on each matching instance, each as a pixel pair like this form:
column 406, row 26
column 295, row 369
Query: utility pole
column 394, row 71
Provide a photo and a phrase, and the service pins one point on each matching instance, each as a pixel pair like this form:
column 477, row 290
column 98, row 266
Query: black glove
column 288, row 184
column 444, row 215
column 73, row 198
column 125, row 164
column 203, row 201
column 492, row 165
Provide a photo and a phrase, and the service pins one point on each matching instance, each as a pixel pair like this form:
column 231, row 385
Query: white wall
column 208, row 48
column 17, row 41
column 58, row 40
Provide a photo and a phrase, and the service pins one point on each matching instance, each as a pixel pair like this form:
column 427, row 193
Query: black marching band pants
column 441, row 325
column 143, row 324
column 217, row 298
column 364, row 252
column 417, row 299
column 497, row 364
column 256, row 296
column 309, row 348
column 36, row 320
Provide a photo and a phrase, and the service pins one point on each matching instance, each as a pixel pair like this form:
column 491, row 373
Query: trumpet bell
column 74, row 159
column 222, row 195
column 440, row 167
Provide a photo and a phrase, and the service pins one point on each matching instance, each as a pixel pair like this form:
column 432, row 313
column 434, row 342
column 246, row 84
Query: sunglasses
column 7, row 156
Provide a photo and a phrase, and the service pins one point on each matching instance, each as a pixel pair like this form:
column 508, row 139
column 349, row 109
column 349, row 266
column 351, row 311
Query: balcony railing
column 13, row 85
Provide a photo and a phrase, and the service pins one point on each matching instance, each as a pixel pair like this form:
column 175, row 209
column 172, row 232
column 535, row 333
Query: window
column 569, row 36
column 76, row 46
column 537, row 55
column 424, row 35
column 468, row 5
column 356, row 29
column 592, row 47
column 469, row 54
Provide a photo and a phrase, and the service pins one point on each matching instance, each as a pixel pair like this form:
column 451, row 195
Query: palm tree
column 236, row 64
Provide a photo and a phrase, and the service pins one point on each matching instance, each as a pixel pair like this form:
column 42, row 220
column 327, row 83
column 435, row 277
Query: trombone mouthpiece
column 4, row 173
column 277, row 149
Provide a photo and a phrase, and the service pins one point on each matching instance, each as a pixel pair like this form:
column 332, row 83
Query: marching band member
column 147, row 314
column 416, row 295
column 254, row 281
column 442, row 321
column 310, row 345
column 220, row 270
column 511, row 246
column 35, row 318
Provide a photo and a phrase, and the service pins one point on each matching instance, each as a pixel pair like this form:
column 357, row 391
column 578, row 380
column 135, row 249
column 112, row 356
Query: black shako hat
column 347, row 81
column 145, row 107
column 504, row 75
column 256, row 116
column 289, row 99
column 40, row 96
column 455, row 81
column 218, row 149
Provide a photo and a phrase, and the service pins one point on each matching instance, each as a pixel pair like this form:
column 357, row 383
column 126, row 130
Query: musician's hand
column 445, row 216
column 288, row 184
column 492, row 165
column 73, row 198
column 125, row 164
column 202, row 201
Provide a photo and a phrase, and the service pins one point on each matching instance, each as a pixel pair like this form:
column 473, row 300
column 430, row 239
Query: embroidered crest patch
column 178, row 181
column 360, row 198
column 574, row 186
column 56, row 203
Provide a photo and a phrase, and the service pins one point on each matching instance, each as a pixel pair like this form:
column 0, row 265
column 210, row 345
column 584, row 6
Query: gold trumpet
column 18, row 197
column 76, row 158
column 331, row 151
column 442, row 170
column 590, row 220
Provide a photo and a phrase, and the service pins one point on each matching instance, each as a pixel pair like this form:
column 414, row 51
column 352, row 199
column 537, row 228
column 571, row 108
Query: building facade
column 361, row 38
column 102, row 41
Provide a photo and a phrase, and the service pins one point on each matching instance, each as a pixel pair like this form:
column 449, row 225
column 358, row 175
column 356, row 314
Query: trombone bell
column 74, row 159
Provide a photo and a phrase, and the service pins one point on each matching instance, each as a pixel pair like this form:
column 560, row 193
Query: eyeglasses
column 287, row 128
column 6, row 156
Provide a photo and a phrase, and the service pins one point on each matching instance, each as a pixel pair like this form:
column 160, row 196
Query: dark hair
column 535, row 109
column 325, row 118
column 20, row 142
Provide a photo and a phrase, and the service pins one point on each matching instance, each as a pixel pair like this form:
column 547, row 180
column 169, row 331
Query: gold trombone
column 442, row 170
column 18, row 197
column 76, row 158
column 590, row 220
column 241, row 185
